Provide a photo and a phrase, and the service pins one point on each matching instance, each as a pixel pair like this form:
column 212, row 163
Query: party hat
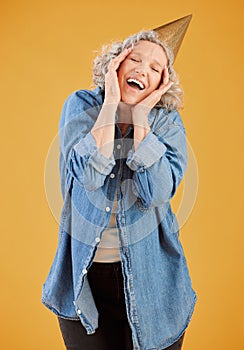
column 173, row 33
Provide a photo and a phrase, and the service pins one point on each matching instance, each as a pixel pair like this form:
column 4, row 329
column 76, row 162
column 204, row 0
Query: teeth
column 132, row 80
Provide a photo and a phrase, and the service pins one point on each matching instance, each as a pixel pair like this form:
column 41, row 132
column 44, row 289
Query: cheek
column 159, row 80
column 120, row 74
column 122, row 68
column 155, row 82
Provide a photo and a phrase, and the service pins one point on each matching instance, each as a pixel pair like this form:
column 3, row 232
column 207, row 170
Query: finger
column 165, row 87
column 165, row 75
column 115, row 62
column 123, row 54
column 120, row 58
column 157, row 94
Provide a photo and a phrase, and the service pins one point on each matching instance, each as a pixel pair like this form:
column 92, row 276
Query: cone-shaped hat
column 173, row 33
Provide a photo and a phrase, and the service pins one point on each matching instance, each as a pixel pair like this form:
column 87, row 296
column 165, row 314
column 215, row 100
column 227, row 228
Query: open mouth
column 136, row 84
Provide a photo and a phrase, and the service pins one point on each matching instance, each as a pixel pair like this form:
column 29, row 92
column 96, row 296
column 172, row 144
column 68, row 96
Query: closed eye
column 155, row 69
column 133, row 59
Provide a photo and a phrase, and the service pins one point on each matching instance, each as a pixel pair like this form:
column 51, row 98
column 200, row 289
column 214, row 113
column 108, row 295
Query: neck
column 124, row 113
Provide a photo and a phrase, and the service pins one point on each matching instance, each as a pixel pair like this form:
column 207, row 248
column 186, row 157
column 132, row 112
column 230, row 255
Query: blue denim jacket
column 158, row 291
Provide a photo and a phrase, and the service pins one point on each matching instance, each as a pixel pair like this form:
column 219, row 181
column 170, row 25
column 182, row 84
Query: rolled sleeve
column 100, row 163
column 160, row 161
column 95, row 166
column 149, row 151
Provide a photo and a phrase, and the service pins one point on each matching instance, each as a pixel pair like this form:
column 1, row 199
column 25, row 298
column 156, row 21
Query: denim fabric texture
column 158, row 291
column 114, row 332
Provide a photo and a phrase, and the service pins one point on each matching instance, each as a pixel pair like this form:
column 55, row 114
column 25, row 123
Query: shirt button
column 84, row 271
column 107, row 209
column 79, row 311
column 118, row 146
column 97, row 239
column 112, row 176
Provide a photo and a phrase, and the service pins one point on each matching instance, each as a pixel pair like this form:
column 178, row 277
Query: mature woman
column 119, row 279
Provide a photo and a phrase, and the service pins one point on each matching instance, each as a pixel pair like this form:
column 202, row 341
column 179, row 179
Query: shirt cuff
column 149, row 151
column 87, row 147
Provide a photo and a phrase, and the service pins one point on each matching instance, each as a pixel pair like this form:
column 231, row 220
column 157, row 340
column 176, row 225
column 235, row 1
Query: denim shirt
column 157, row 286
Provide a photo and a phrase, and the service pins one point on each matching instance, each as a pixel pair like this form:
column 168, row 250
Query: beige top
column 108, row 248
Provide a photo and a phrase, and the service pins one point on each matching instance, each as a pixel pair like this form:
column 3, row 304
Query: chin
column 131, row 100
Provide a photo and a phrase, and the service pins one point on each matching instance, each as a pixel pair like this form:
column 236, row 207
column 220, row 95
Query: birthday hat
column 173, row 33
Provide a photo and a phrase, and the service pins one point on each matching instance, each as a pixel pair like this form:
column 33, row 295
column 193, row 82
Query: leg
column 110, row 300
column 106, row 282
column 105, row 338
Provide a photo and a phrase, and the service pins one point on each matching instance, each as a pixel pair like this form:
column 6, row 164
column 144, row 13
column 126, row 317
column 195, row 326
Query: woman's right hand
column 112, row 90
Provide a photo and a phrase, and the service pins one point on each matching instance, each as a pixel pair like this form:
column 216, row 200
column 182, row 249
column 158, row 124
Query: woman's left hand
column 141, row 110
column 150, row 101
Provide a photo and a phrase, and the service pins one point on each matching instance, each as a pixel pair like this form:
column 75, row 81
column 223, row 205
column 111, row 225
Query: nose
column 141, row 69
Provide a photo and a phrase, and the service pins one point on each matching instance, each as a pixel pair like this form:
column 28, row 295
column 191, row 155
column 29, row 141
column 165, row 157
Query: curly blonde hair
column 172, row 99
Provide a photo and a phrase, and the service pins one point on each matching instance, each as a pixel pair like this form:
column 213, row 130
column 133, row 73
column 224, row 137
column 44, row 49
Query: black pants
column 113, row 333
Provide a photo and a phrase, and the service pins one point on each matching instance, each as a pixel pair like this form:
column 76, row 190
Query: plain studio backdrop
column 47, row 49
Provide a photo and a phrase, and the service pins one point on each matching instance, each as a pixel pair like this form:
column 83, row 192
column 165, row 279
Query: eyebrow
column 139, row 54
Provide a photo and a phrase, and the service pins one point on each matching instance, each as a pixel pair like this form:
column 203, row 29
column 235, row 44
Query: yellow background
column 47, row 48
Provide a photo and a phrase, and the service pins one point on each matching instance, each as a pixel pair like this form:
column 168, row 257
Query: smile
column 135, row 83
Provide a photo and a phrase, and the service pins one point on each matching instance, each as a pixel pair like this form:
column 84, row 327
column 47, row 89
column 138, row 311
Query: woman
column 119, row 279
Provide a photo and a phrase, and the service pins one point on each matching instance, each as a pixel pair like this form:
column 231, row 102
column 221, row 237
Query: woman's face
column 141, row 71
